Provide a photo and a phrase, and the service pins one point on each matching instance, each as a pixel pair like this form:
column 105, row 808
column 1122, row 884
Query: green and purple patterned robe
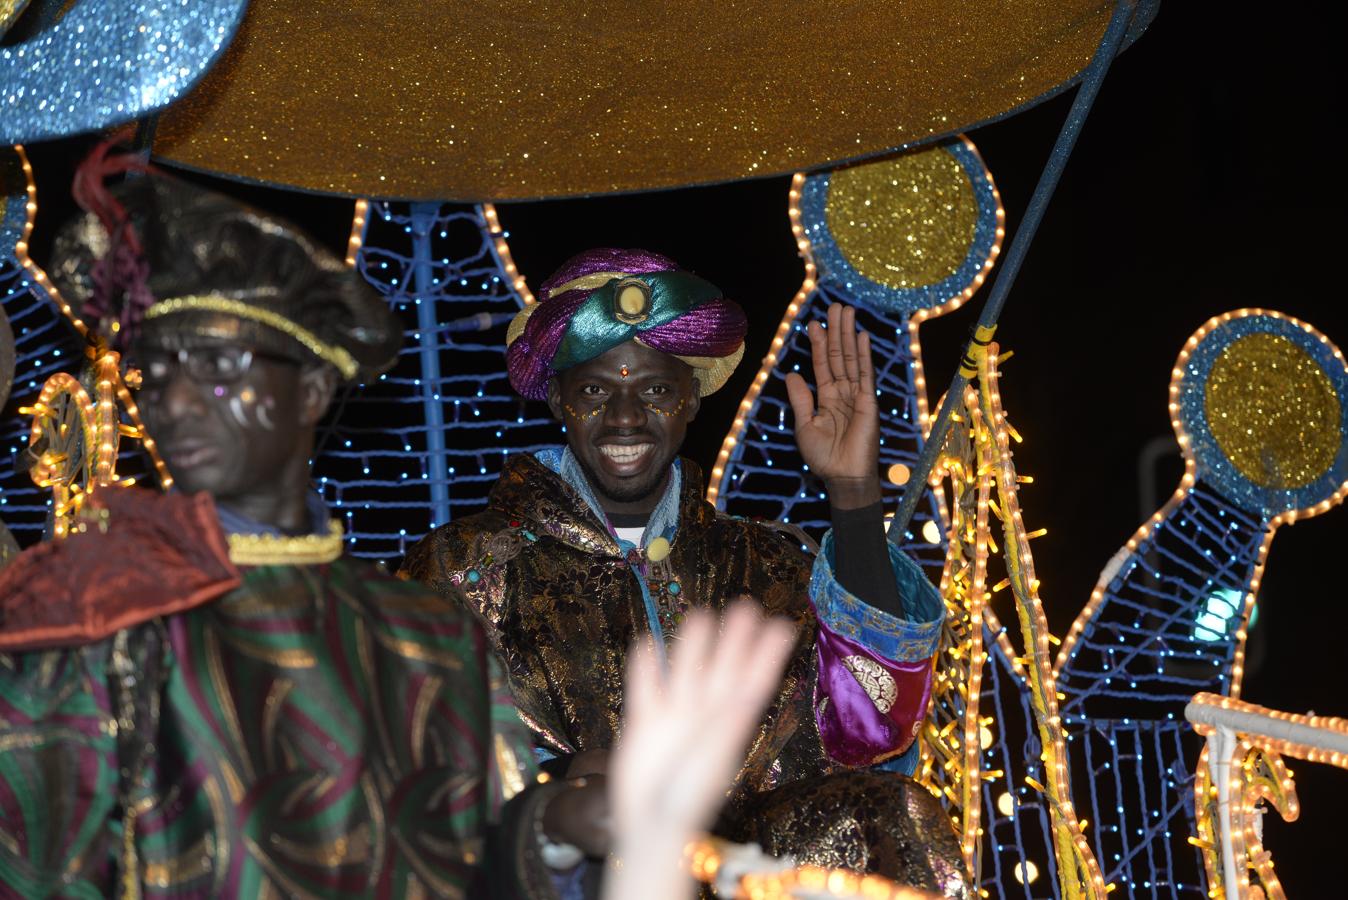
column 321, row 731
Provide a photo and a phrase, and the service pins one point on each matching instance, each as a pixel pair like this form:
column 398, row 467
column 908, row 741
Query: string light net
column 44, row 345
column 902, row 240
column 1256, row 401
column 425, row 442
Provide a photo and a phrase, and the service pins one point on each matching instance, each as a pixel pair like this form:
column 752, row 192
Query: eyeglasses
column 222, row 364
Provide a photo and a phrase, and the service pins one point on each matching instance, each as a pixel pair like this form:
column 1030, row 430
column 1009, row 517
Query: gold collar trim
column 277, row 550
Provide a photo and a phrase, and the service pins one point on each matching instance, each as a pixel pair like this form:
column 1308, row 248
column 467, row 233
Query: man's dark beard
column 629, row 493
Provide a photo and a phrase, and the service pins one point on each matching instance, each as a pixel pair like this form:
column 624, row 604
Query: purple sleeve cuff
column 868, row 708
column 875, row 670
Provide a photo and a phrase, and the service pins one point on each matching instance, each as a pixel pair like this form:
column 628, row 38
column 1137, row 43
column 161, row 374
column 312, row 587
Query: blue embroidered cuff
column 910, row 639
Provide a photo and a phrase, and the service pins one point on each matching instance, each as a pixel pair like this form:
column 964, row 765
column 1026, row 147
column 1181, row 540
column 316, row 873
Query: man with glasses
column 200, row 695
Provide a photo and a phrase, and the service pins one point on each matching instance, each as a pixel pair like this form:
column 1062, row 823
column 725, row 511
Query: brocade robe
column 320, row 730
column 562, row 600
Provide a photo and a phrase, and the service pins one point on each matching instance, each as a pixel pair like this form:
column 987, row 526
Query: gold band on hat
column 338, row 357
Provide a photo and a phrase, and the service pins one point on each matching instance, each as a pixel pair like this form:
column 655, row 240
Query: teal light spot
column 1219, row 610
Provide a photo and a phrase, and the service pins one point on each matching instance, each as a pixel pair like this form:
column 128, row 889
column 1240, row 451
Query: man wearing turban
column 200, row 695
column 607, row 540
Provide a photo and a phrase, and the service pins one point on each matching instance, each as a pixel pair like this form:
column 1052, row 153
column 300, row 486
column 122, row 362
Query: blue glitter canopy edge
column 833, row 263
column 1212, row 463
column 109, row 61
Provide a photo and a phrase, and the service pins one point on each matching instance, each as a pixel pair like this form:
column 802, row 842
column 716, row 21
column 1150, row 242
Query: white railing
column 1240, row 770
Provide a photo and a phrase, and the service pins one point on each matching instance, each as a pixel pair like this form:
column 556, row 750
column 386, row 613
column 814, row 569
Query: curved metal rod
column 1020, row 244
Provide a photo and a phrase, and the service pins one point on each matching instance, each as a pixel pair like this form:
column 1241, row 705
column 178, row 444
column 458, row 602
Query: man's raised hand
column 839, row 438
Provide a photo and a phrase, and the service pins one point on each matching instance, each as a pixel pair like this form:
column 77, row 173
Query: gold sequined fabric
column 504, row 99
column 561, row 607
column 863, row 821
column 316, row 731
column 1273, row 411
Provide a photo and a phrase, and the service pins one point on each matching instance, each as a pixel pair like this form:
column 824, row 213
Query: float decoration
column 903, row 240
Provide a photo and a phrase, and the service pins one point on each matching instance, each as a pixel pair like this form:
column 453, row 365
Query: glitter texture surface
column 1273, row 411
column 109, row 61
column 907, row 233
column 505, row 99
column 1261, row 401
column 905, row 222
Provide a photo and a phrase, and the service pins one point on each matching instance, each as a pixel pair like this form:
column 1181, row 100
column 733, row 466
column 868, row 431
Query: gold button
column 657, row 549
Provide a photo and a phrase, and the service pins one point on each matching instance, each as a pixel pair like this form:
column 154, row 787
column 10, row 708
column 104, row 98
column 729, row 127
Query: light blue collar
column 664, row 520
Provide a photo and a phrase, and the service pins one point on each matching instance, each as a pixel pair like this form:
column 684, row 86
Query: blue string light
column 44, row 344
column 381, row 467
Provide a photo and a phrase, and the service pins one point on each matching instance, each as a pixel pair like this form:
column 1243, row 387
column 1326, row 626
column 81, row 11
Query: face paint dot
column 219, row 390
column 247, row 395
column 624, row 372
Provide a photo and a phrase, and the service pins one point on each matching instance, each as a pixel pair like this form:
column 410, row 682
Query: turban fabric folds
column 603, row 298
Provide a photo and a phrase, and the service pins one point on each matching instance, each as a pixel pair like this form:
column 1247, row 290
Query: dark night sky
column 1198, row 186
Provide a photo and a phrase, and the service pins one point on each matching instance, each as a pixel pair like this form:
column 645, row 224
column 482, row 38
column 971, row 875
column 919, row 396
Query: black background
column 1201, row 183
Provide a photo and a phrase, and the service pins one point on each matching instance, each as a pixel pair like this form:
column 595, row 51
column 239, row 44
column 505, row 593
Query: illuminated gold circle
column 1273, row 411
column 898, row 474
column 906, row 222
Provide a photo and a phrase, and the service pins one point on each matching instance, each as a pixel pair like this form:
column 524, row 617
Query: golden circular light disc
column 1273, row 411
column 905, row 222
column 499, row 100
column 898, row 474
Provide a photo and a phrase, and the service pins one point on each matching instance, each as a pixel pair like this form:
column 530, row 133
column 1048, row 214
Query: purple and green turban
column 603, row 298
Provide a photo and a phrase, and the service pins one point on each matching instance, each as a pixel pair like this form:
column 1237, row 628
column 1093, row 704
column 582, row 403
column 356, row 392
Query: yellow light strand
column 704, row 859
column 1078, row 872
column 503, row 253
column 359, row 216
column 21, row 248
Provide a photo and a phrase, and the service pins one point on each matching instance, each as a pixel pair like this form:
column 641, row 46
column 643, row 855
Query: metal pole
column 1020, row 244
column 437, row 462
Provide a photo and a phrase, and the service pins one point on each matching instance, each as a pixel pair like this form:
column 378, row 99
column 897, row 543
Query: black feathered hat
column 156, row 252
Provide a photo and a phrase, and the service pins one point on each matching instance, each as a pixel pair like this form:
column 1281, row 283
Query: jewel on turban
column 603, row 298
column 154, row 251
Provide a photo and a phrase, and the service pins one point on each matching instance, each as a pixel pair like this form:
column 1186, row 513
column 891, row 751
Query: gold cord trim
column 591, row 282
column 274, row 550
column 330, row 353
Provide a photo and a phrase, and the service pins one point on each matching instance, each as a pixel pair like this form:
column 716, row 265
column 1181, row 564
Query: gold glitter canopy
column 504, row 99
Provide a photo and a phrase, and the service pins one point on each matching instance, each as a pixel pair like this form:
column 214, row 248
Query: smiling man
column 585, row 548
